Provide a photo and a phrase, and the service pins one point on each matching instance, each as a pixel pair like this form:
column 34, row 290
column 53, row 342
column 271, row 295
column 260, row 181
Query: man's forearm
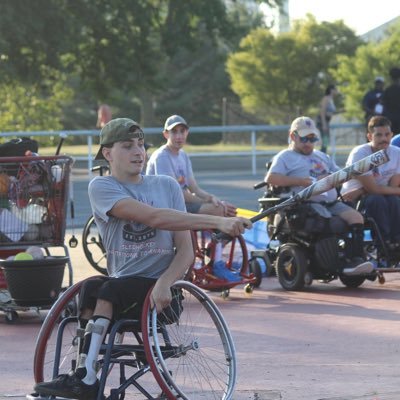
column 371, row 187
column 385, row 190
column 173, row 220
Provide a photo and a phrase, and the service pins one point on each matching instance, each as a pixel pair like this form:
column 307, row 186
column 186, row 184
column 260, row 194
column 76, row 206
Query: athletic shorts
column 127, row 294
column 328, row 211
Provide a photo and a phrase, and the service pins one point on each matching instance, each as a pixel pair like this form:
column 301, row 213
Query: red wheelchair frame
column 235, row 257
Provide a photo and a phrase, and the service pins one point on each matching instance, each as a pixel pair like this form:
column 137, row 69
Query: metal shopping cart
column 33, row 206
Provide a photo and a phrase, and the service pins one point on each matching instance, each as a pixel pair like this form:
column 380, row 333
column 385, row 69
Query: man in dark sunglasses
column 300, row 166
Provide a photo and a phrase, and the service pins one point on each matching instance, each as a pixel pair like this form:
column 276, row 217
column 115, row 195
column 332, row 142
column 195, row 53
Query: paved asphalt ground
column 325, row 343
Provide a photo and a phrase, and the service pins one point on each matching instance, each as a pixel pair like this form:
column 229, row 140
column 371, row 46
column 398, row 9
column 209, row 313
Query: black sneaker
column 68, row 386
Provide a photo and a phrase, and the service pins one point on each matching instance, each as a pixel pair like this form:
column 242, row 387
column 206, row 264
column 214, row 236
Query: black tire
column 255, row 268
column 93, row 246
column 352, row 281
column 291, row 266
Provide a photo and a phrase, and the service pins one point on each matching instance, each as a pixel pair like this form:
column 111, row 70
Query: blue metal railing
column 252, row 129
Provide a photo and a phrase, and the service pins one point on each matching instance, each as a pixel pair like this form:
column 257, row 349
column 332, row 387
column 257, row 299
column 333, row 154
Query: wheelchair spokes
column 93, row 246
column 57, row 342
column 199, row 360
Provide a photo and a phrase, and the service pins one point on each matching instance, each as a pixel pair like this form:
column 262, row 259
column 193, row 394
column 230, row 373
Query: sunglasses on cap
column 306, row 139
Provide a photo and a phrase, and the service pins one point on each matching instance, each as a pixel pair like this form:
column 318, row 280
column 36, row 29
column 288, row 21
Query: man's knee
column 352, row 217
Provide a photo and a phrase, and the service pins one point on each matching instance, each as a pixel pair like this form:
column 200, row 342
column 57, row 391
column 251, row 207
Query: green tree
column 280, row 76
column 125, row 52
column 195, row 80
column 33, row 107
column 32, row 35
column 356, row 74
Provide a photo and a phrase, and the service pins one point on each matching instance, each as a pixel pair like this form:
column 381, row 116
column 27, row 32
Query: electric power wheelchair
column 304, row 246
column 184, row 352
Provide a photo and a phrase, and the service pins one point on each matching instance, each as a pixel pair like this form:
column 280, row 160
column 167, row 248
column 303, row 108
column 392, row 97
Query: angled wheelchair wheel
column 234, row 255
column 189, row 347
column 291, row 266
column 93, row 246
column 234, row 251
column 62, row 317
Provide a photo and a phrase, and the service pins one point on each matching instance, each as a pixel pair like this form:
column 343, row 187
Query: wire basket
column 33, row 200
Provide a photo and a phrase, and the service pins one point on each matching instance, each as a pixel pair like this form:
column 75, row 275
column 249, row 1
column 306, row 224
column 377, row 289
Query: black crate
column 34, row 283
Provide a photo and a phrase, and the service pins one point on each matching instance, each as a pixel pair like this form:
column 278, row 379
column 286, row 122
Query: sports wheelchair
column 235, row 264
column 185, row 352
column 304, row 246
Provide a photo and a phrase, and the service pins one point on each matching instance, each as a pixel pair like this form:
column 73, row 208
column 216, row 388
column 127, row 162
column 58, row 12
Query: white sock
column 99, row 331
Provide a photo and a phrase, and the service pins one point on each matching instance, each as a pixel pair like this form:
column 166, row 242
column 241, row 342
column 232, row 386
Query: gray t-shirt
column 133, row 248
column 315, row 165
column 163, row 162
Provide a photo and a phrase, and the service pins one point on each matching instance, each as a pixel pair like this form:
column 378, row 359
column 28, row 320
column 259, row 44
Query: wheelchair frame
column 185, row 356
column 235, row 257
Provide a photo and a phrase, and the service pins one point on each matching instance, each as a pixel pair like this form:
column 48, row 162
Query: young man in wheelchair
column 300, row 166
column 379, row 189
column 172, row 160
column 144, row 227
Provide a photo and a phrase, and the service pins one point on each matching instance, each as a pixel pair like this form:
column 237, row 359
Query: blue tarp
column 257, row 236
column 257, row 239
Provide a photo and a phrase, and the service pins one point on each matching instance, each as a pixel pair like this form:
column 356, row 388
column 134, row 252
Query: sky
column 360, row 15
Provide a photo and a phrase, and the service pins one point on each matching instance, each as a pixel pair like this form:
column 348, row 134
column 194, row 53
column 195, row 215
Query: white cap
column 304, row 126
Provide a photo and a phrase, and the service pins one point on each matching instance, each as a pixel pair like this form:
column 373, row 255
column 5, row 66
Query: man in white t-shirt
column 380, row 187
